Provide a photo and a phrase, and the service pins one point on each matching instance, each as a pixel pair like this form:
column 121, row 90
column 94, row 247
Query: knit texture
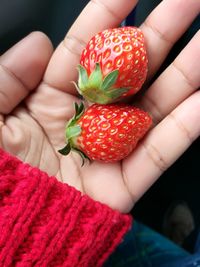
column 44, row 222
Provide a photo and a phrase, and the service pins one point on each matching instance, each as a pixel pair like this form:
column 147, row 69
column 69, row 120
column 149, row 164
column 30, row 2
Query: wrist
column 48, row 221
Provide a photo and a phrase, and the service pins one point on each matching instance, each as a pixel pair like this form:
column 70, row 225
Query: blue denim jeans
column 143, row 247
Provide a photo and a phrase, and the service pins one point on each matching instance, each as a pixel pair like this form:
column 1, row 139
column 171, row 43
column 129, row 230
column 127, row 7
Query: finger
column 21, row 69
column 163, row 146
column 164, row 26
column 97, row 15
column 176, row 83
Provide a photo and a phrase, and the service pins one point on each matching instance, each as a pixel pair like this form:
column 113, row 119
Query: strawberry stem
column 65, row 150
column 95, row 78
column 83, row 155
column 97, row 88
column 72, row 131
column 83, row 77
column 109, row 80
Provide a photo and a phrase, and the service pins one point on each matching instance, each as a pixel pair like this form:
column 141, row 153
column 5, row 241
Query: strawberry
column 105, row 133
column 113, row 65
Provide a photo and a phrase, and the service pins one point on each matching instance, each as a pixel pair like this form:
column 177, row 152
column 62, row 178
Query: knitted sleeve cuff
column 44, row 222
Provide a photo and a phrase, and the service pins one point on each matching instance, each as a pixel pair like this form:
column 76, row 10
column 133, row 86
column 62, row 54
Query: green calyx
column 72, row 131
column 99, row 89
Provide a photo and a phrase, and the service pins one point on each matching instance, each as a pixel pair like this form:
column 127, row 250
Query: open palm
column 37, row 98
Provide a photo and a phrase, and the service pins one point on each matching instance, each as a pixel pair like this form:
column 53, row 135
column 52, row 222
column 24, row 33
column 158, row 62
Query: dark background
column 182, row 180
column 19, row 17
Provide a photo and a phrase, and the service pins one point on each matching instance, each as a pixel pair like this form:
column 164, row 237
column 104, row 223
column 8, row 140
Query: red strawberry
column 113, row 65
column 106, row 133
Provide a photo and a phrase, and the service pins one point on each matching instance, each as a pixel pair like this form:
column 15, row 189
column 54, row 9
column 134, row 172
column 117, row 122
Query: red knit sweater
column 47, row 223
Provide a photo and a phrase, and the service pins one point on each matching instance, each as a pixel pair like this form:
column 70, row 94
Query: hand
column 36, row 102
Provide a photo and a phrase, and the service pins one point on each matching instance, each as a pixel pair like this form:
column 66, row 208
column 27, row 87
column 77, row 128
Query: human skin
column 37, row 98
